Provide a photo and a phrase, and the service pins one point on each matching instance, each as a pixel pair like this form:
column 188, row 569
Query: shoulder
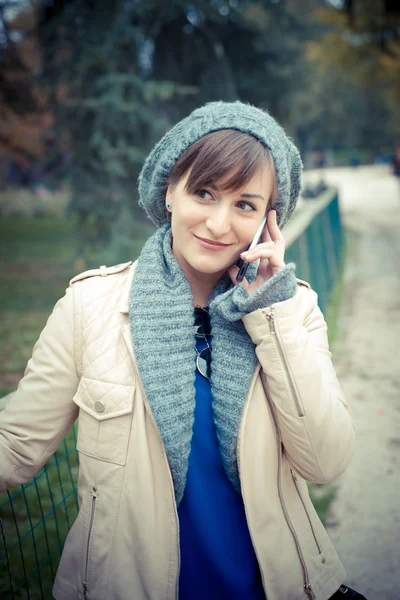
column 103, row 288
column 102, row 272
column 305, row 295
column 302, row 283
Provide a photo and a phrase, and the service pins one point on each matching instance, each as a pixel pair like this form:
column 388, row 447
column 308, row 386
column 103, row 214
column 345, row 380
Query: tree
column 105, row 111
column 228, row 50
column 25, row 121
column 115, row 75
column 362, row 44
column 118, row 74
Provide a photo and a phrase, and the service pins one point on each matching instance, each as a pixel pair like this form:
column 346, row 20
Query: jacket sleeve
column 40, row 412
column 314, row 419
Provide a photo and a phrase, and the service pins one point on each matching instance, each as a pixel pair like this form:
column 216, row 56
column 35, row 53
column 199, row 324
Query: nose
column 218, row 222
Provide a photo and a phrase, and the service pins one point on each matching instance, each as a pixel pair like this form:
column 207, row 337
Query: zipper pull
column 293, row 475
column 270, row 317
column 85, row 591
column 308, row 590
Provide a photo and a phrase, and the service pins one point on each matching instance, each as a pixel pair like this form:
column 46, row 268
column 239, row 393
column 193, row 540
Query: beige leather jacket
column 295, row 426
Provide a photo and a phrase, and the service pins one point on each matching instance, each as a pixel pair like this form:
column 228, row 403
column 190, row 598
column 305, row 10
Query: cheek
column 188, row 215
column 245, row 233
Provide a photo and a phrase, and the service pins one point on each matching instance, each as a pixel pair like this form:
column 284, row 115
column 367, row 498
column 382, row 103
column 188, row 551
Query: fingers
column 272, row 227
column 266, row 237
column 267, row 251
column 264, row 250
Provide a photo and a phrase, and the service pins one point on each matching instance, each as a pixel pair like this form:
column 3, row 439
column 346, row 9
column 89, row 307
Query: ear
column 169, row 193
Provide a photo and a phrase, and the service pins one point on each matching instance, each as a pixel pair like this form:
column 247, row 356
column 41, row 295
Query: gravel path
column 365, row 517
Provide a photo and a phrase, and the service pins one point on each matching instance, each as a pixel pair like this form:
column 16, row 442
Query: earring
column 169, row 207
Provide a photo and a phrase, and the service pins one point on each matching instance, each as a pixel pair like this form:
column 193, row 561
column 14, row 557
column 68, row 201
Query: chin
column 211, row 267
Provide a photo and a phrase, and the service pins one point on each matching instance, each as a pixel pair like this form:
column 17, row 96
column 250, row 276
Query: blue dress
column 218, row 561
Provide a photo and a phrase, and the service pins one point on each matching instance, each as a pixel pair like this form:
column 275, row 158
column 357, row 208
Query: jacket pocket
column 104, row 419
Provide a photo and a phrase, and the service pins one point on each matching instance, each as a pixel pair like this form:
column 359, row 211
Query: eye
column 203, row 194
column 246, row 206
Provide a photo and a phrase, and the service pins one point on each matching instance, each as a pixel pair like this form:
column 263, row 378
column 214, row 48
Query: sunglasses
column 203, row 362
column 202, row 327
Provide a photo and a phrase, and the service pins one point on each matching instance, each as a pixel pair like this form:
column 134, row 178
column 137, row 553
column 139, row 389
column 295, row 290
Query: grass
column 38, row 257
column 37, row 261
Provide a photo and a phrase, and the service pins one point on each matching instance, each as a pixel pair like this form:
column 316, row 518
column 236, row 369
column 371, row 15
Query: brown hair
column 226, row 157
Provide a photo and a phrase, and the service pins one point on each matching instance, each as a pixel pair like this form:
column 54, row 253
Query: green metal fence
column 36, row 517
column 34, row 521
column 314, row 240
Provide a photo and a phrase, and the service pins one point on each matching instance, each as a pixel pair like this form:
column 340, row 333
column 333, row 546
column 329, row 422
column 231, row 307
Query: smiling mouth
column 211, row 242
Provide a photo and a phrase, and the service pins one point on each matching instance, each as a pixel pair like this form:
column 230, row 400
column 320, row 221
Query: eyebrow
column 244, row 195
column 252, row 196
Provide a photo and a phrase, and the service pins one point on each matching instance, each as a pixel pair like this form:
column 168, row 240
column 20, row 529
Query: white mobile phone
column 242, row 264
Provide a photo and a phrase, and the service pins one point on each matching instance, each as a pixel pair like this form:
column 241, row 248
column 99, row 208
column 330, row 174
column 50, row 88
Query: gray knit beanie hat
column 156, row 171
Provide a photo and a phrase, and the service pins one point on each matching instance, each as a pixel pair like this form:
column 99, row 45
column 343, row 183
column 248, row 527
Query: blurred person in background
column 205, row 403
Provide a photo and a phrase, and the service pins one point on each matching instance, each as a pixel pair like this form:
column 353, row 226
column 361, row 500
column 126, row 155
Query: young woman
column 204, row 403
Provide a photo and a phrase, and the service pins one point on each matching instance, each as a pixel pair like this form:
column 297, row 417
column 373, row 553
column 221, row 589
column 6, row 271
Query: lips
column 210, row 245
column 211, row 242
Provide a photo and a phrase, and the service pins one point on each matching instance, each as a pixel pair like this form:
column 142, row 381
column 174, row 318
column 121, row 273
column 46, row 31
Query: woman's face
column 211, row 227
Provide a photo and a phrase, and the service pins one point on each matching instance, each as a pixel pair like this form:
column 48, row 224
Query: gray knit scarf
column 162, row 325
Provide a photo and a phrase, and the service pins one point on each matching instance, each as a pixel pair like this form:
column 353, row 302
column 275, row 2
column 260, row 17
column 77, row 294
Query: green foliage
column 358, row 56
column 107, row 113
column 118, row 74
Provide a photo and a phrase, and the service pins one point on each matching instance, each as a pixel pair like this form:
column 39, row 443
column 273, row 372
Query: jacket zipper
column 166, row 462
column 93, row 493
column 274, row 331
column 307, row 586
column 305, row 510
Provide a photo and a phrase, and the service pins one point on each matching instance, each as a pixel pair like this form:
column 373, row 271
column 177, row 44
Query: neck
column 201, row 284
